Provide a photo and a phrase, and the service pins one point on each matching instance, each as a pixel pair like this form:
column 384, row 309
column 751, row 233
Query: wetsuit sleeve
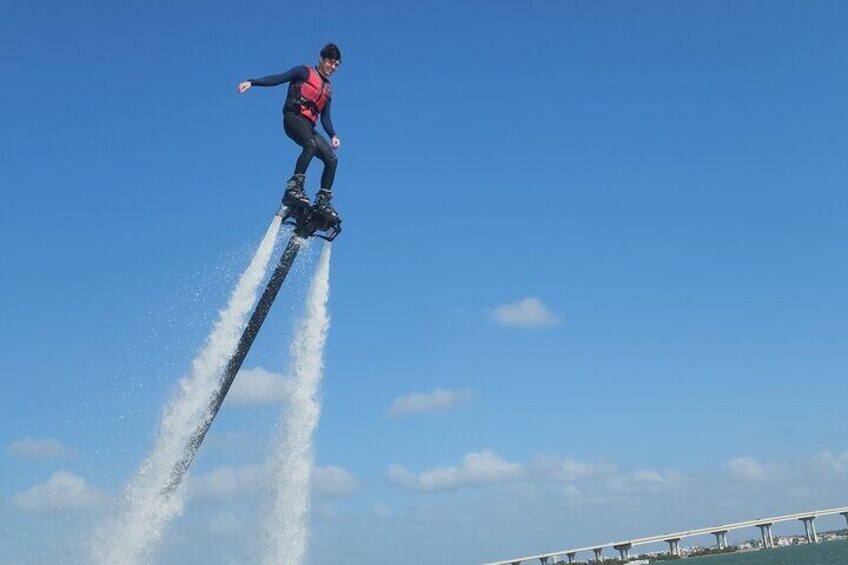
column 300, row 73
column 326, row 120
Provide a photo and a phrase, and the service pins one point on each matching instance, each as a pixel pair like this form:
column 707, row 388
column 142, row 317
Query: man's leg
column 302, row 133
column 328, row 156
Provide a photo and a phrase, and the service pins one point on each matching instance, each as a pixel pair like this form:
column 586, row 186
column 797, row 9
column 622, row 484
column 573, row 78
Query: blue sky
column 656, row 189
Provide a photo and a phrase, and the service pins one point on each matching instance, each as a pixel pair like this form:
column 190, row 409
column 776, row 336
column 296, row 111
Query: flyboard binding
column 309, row 220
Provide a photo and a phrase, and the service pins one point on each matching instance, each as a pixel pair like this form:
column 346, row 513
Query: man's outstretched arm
column 296, row 73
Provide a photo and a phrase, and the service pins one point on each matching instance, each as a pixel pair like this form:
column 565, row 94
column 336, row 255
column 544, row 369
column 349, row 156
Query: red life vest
column 313, row 95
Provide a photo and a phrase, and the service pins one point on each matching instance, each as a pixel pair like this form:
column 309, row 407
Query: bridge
column 673, row 539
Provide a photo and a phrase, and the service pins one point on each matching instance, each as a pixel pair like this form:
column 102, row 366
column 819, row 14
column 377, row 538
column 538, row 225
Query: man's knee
column 330, row 159
column 310, row 147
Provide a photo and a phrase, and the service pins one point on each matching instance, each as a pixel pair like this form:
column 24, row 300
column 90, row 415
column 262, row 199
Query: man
column 309, row 96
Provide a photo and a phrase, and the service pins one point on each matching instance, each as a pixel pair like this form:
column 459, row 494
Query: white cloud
column 746, row 468
column 649, row 477
column 645, row 480
column 334, row 481
column 483, row 467
column 437, row 401
column 579, row 481
column 62, row 492
column 834, row 463
column 226, row 482
column 571, row 470
column 257, row 386
column 37, row 448
column 571, row 490
column 526, row 313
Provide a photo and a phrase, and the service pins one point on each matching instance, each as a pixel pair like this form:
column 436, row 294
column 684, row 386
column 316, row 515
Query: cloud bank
column 479, row 468
column 226, row 482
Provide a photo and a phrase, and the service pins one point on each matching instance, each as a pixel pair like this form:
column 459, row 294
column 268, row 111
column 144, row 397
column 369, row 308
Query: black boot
column 294, row 195
column 323, row 206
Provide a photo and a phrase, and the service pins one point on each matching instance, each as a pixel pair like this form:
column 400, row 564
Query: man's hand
column 243, row 86
column 336, row 143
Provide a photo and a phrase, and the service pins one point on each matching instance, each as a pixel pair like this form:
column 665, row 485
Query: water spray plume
column 149, row 504
column 287, row 525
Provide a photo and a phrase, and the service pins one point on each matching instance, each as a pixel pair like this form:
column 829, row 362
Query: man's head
column 329, row 60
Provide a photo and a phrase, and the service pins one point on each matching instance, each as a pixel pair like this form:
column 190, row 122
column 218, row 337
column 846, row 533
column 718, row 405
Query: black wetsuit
column 300, row 129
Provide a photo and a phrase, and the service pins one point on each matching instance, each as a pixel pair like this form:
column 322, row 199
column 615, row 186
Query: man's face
column 328, row 66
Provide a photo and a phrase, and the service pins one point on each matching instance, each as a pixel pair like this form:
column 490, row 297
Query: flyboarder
column 309, row 96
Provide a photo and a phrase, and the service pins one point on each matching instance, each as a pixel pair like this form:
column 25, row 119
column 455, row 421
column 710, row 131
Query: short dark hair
column 331, row 51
